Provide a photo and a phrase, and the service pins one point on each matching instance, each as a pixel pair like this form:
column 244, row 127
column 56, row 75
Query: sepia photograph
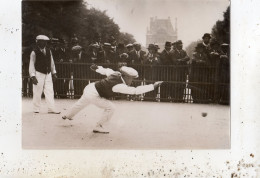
column 126, row 74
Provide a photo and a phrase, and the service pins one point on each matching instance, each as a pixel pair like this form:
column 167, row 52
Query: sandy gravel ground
column 135, row 125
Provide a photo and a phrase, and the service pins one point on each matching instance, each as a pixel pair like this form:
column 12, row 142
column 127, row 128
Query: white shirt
column 122, row 87
column 32, row 70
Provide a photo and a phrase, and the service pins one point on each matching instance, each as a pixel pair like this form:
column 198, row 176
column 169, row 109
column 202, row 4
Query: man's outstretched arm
column 124, row 89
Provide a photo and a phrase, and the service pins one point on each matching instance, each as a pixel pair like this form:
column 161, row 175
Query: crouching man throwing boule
column 99, row 92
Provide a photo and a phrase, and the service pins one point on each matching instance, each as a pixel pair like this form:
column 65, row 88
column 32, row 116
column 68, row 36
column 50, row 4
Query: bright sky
column 195, row 17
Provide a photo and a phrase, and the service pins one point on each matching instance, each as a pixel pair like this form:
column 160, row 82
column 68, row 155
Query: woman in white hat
column 41, row 69
column 98, row 93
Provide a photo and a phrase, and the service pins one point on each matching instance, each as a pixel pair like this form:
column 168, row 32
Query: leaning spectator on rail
column 180, row 60
column 98, row 93
column 42, row 69
column 224, row 87
column 165, row 57
column 198, row 76
column 214, row 52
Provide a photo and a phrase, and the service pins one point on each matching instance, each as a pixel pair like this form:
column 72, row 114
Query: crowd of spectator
column 206, row 73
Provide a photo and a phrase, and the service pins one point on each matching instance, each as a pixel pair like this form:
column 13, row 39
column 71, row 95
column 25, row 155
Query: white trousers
column 44, row 85
column 91, row 96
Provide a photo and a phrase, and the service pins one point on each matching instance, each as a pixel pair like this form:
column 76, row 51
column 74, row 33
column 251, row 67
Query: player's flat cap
column 42, row 37
column 129, row 71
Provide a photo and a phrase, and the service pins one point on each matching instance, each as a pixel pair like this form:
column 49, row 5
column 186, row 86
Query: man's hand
column 94, row 67
column 34, row 80
column 157, row 84
column 54, row 77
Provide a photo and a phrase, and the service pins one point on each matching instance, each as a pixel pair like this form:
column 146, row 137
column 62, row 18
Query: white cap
column 129, row 45
column 42, row 37
column 129, row 71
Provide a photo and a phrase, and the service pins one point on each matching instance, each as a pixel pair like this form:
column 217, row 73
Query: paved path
column 135, row 125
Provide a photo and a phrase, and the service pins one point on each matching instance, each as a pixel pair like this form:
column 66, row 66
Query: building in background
column 161, row 30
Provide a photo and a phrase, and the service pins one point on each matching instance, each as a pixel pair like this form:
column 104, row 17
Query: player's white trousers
column 44, row 85
column 91, row 96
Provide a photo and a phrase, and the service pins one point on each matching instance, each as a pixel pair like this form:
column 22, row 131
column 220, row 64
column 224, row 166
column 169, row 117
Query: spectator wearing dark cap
column 165, row 55
column 174, row 45
column 224, row 90
column 180, row 60
column 206, row 40
column 198, row 75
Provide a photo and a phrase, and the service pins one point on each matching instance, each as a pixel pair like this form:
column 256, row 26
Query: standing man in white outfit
column 99, row 92
column 41, row 69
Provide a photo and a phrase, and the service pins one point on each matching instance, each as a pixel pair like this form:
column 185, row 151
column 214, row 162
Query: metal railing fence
column 182, row 83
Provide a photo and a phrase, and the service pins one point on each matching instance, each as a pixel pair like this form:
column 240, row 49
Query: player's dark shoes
column 36, row 112
column 100, row 129
column 65, row 117
column 54, row 112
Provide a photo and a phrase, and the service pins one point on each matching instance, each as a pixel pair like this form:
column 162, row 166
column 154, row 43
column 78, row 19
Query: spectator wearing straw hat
column 92, row 54
column 42, row 69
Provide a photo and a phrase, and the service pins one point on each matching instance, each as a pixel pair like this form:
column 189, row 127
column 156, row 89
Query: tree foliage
column 221, row 30
column 66, row 19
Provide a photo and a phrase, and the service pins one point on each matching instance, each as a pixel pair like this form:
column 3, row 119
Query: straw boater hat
column 42, row 37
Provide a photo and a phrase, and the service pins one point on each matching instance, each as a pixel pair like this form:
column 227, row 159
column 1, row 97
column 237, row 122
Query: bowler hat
column 206, row 35
column 156, row 46
column 168, row 44
column 150, row 46
column 178, row 42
